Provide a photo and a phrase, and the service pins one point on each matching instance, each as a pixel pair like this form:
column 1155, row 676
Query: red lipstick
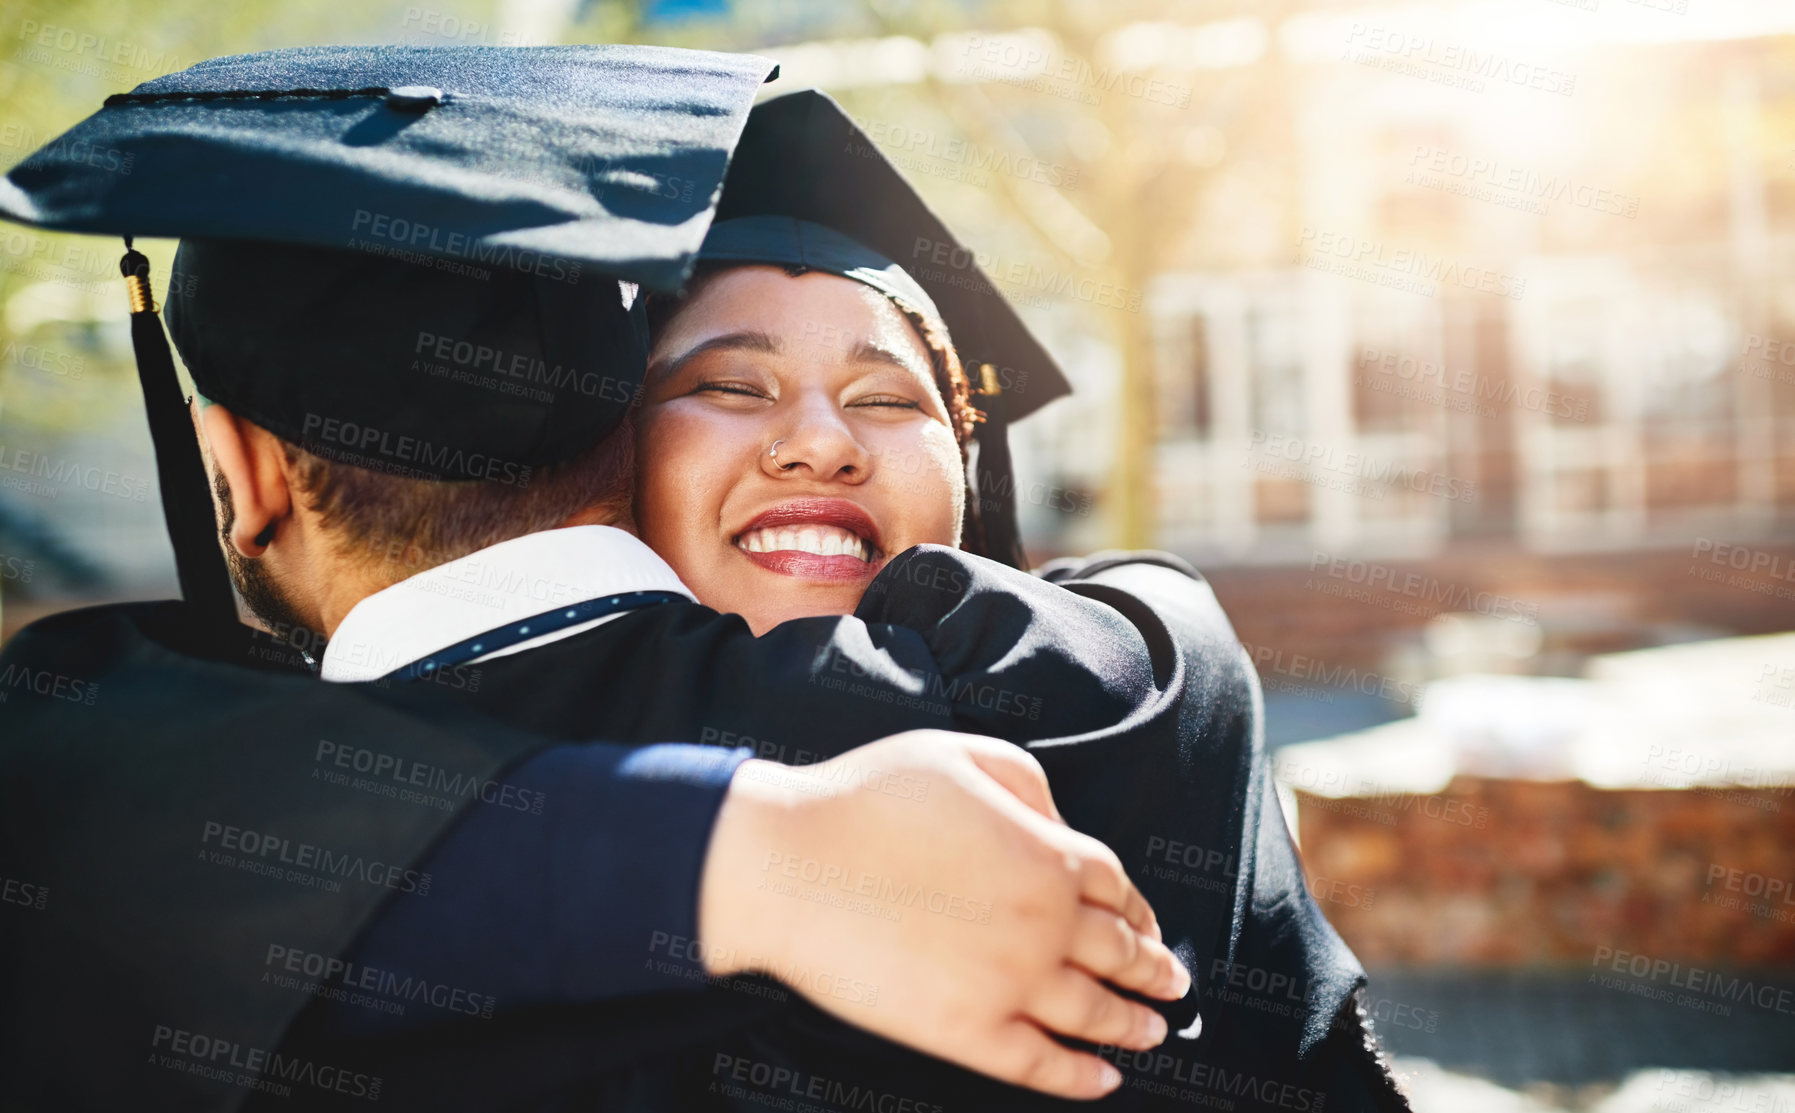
column 840, row 513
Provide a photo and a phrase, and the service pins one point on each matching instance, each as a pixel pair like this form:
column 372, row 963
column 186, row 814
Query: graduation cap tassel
column 996, row 486
column 180, row 473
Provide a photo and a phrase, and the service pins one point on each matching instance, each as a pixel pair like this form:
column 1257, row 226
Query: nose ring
column 774, row 453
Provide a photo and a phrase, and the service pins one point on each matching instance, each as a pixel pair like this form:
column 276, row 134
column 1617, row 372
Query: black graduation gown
column 1145, row 718
column 1131, row 689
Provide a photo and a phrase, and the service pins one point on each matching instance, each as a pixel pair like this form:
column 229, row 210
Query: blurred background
column 1455, row 343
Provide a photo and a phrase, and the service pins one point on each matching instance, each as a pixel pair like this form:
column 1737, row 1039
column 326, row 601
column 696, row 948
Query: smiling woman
column 799, row 428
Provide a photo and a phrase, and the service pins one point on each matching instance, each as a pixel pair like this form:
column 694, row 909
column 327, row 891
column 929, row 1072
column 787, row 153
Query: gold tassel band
column 137, row 288
column 988, row 381
column 135, row 266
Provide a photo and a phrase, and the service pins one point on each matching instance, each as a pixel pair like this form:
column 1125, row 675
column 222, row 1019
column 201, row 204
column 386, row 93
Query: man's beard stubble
column 266, row 599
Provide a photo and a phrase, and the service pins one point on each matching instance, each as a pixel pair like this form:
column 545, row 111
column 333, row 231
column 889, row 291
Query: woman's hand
column 923, row 887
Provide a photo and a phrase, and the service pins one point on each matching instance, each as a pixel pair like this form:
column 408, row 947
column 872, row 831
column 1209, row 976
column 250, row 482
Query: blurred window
column 1275, row 364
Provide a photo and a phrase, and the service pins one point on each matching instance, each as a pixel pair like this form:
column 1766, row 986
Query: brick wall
column 1499, row 872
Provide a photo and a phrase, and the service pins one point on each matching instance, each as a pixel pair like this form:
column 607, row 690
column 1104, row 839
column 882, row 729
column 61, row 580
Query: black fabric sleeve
column 1150, row 730
column 1136, row 698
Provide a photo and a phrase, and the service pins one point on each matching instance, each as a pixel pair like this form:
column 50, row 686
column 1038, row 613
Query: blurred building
column 1455, row 354
column 1510, row 352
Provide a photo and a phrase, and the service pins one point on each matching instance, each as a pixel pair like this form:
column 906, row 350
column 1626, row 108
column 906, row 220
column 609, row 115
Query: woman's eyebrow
column 750, row 340
column 870, row 352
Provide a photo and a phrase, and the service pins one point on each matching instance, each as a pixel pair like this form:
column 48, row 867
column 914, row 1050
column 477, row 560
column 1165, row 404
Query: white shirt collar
column 482, row 591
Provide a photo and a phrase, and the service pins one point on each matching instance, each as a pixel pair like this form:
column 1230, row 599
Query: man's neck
column 505, row 588
column 342, row 583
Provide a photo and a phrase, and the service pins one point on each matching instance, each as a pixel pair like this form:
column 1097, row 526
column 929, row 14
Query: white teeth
column 819, row 539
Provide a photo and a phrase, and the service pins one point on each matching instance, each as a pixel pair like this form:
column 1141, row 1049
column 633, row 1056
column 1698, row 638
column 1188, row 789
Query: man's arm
column 1017, row 921
column 594, row 895
column 578, row 928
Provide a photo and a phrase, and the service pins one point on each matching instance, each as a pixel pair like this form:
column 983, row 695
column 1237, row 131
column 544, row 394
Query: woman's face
column 866, row 467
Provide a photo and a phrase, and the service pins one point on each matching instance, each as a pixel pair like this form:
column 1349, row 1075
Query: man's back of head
column 365, row 417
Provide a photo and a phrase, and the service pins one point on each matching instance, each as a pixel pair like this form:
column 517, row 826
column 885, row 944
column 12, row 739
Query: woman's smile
column 829, row 538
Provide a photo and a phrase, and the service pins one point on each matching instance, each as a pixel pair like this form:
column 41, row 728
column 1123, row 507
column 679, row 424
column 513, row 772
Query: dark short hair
column 395, row 526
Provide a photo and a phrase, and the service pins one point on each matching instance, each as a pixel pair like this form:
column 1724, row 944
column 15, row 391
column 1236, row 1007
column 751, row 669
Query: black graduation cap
column 801, row 156
column 426, row 255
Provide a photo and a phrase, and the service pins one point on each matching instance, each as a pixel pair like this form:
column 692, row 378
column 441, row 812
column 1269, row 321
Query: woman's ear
column 252, row 462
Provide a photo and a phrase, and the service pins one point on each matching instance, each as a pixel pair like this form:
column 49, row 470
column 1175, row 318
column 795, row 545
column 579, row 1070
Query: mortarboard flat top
column 412, row 246
column 802, row 156
column 356, row 218
column 607, row 156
